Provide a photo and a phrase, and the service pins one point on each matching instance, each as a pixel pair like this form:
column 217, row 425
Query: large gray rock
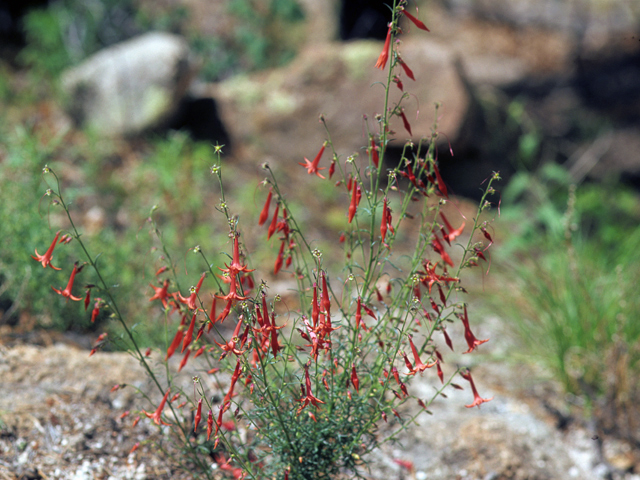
column 132, row 86
column 279, row 109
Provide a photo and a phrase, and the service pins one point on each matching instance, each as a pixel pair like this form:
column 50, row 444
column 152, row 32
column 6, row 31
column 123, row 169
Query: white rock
column 131, row 86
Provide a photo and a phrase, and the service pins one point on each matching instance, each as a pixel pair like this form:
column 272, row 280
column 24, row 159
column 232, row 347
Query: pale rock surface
column 132, row 86
column 281, row 107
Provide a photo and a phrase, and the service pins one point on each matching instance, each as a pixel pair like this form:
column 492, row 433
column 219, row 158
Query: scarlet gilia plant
column 308, row 393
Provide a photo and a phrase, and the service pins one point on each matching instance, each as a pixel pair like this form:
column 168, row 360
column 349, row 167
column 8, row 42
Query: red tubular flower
column 279, row 258
column 309, row 398
column 385, row 220
column 441, row 184
column 437, row 246
column 161, row 293
column 199, row 352
column 87, row 299
column 477, row 400
column 419, row 184
column 189, row 335
column 369, row 311
column 161, row 270
column 274, row 222
column 419, row 367
column 134, row 448
column 354, row 378
column 231, row 297
column 231, row 345
column 326, row 302
column 452, row 233
column 236, row 267
column 415, row 21
column 408, row 464
column 398, row 82
column 66, row 239
column 374, row 153
column 429, row 277
column 190, row 301
column 359, row 313
column 225, row 312
column 176, row 340
column 265, row 210
column 406, row 69
column 379, row 295
column 273, row 339
column 472, row 341
column 227, row 398
column 440, row 374
column 384, row 55
column 96, row 310
column 198, row 416
column 443, row 297
column 434, row 305
column 209, row 424
column 407, row 362
column 447, row 339
column 184, row 360
column 212, row 313
column 100, row 341
column 396, row 375
column 312, row 167
column 315, row 308
column 157, row 415
column 45, row 259
column 67, row 291
column 487, row 236
column 332, row 168
column 353, row 206
column 407, row 126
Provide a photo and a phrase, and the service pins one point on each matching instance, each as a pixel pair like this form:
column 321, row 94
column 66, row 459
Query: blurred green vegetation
column 29, row 225
column 266, row 34
column 96, row 176
column 570, row 269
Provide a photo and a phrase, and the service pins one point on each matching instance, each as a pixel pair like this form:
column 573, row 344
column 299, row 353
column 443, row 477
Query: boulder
column 132, row 86
column 280, row 108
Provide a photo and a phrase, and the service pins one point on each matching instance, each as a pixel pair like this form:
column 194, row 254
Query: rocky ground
column 59, row 420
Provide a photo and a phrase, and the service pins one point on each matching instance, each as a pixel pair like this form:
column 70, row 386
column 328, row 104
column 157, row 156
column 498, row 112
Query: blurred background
column 126, row 100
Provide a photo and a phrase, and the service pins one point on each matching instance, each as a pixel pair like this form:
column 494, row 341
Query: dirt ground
column 60, row 420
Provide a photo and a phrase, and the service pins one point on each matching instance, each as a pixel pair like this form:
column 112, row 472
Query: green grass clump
column 574, row 267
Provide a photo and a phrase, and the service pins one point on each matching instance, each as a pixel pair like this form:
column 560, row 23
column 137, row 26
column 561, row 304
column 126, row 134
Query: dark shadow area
column 12, row 35
column 199, row 117
column 364, row 19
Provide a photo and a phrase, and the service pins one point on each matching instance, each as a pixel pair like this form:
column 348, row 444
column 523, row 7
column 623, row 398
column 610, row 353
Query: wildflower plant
column 306, row 389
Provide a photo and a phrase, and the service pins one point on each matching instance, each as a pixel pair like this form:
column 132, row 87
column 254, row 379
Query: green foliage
column 575, row 260
column 265, row 29
column 169, row 173
column 70, row 30
column 45, row 52
column 23, row 230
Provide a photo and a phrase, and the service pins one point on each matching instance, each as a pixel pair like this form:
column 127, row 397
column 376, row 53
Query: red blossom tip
column 384, row 55
column 415, row 21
